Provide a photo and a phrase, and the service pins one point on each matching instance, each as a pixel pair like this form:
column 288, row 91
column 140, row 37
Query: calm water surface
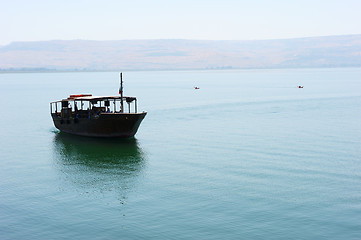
column 247, row 156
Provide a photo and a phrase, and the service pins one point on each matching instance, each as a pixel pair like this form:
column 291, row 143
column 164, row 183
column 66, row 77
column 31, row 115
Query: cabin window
column 64, row 104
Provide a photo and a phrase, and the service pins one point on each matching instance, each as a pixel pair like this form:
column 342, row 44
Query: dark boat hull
column 122, row 125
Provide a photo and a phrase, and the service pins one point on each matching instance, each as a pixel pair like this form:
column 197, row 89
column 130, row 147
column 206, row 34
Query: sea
column 248, row 155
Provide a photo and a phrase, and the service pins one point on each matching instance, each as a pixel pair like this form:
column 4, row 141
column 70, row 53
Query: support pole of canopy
column 121, row 93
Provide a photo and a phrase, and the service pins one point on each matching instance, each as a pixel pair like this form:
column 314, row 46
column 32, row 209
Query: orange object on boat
column 79, row 95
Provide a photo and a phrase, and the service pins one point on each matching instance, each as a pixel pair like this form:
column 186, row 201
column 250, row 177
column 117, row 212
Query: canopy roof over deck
column 89, row 97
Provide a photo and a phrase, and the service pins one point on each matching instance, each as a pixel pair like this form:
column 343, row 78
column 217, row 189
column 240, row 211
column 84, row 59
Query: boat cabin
column 88, row 106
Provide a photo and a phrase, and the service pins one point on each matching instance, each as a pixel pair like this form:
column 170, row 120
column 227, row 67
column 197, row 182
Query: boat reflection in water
column 105, row 166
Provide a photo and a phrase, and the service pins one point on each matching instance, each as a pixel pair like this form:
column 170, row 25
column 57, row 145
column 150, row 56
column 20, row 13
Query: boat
column 97, row 116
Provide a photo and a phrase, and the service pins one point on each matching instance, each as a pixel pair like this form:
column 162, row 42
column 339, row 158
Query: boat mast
column 121, row 93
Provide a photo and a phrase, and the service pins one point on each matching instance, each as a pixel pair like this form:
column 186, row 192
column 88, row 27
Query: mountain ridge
column 177, row 54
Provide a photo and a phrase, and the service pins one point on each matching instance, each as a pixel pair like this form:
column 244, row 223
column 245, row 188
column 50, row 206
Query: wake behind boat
column 97, row 116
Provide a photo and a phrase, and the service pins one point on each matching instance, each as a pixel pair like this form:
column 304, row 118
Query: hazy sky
column 33, row 20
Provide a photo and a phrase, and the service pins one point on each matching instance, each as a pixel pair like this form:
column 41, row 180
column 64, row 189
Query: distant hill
column 83, row 55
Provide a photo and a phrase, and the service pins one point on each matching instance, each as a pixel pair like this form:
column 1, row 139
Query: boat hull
column 121, row 125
